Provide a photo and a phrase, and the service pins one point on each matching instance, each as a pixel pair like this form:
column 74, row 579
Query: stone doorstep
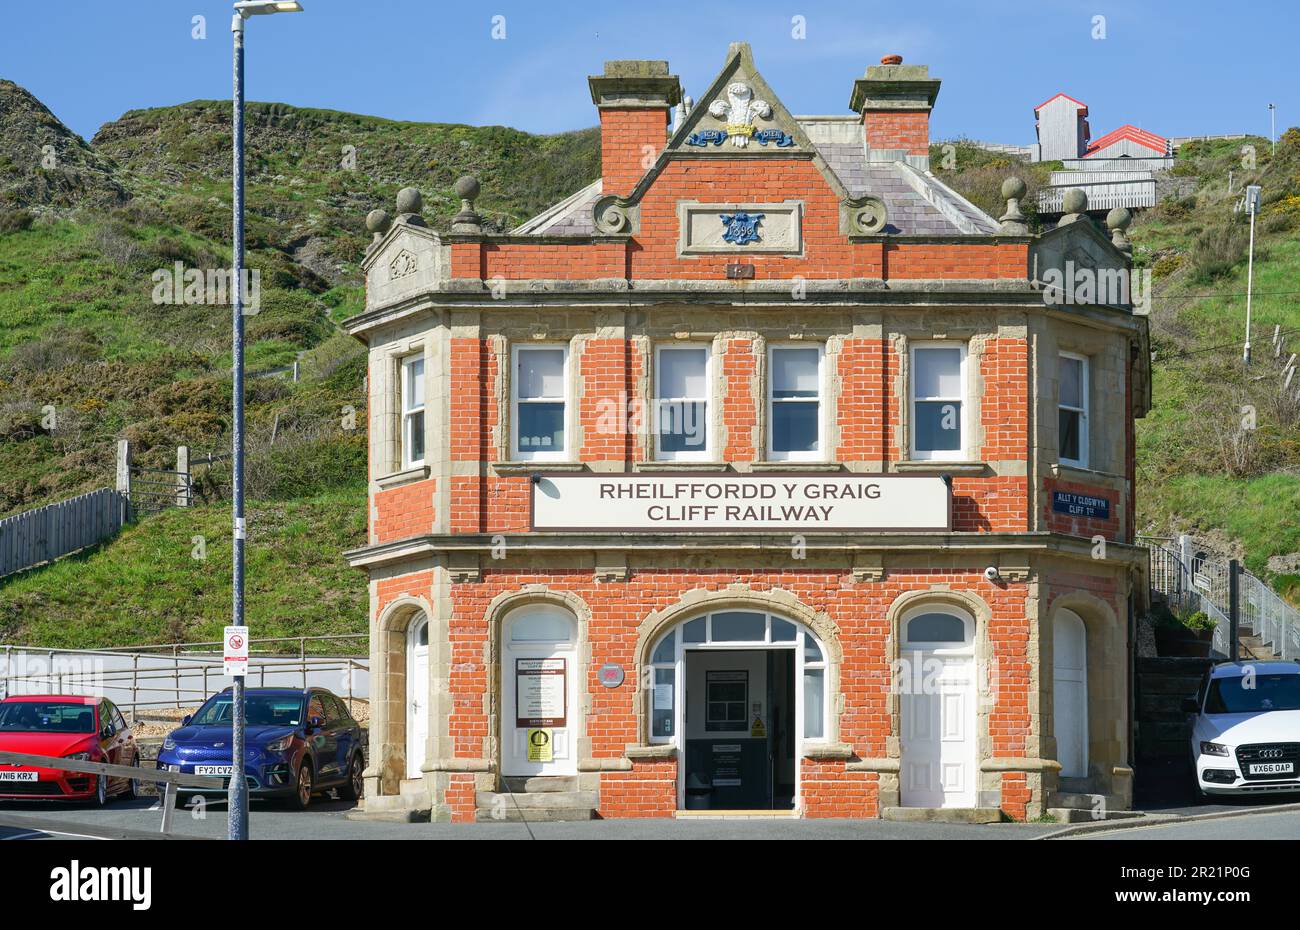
column 942, row 814
column 544, row 815
column 737, row 815
column 394, row 808
column 1077, row 815
column 542, row 800
column 1084, row 801
column 525, row 784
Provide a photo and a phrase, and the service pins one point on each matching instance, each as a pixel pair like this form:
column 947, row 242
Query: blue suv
column 298, row 742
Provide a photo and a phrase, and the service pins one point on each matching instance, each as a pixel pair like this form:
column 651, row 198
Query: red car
column 72, row 727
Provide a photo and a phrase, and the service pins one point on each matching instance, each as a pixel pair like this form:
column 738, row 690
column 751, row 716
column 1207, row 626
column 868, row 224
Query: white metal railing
column 1194, row 576
column 180, row 675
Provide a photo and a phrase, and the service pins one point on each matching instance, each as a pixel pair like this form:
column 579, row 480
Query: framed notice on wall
column 541, row 691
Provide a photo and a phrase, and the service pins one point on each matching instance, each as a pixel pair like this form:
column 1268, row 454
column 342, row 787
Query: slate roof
column 917, row 203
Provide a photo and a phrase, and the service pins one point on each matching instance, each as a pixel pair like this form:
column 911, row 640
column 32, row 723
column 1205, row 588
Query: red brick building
column 764, row 473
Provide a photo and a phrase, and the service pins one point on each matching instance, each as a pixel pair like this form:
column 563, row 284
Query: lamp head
column 246, row 8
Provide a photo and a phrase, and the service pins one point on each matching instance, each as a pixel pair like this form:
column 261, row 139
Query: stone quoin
column 651, row 538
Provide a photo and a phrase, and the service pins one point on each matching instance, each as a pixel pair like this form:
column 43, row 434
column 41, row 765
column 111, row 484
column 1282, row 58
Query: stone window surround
column 968, row 394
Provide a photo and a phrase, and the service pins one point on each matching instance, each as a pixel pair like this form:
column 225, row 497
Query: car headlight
column 281, row 744
column 168, row 743
column 79, row 757
column 1213, row 749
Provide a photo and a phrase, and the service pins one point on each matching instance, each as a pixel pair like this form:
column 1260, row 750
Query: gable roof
column 1134, row 134
column 1078, row 103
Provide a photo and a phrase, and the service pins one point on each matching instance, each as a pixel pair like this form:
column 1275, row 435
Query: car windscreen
column 261, row 710
column 1250, row 694
column 46, row 717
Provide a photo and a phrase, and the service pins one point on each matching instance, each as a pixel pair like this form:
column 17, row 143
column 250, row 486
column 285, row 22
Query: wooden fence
column 47, row 533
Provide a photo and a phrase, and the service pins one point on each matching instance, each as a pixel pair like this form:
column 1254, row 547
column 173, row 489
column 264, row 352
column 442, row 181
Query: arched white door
column 1070, row 693
column 417, row 695
column 539, row 683
column 936, row 681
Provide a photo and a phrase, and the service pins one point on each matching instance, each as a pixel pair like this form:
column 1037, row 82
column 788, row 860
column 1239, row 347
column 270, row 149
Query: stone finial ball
column 1076, row 201
column 467, row 187
column 1119, row 218
column 1013, row 189
column 409, row 200
column 378, row 221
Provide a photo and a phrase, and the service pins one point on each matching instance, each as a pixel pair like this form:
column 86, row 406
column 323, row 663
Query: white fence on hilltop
column 55, row 530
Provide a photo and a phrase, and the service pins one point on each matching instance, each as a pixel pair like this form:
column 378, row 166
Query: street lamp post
column 1252, row 207
column 1272, row 127
column 238, row 792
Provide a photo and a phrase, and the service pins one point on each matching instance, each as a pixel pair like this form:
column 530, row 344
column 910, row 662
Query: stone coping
column 406, row 476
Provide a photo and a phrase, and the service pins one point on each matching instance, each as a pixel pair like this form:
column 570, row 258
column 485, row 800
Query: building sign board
column 1081, row 505
column 540, row 693
column 541, row 745
column 736, row 503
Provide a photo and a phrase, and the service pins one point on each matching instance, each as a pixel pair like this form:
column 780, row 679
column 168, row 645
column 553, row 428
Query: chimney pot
column 892, row 60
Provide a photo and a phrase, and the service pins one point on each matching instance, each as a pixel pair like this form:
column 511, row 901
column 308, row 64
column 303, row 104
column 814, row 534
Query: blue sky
column 1177, row 68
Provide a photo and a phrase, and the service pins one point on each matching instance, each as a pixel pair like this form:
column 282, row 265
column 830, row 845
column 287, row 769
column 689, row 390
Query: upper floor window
column 682, row 392
column 1072, row 411
column 939, row 402
column 540, row 399
column 794, row 409
column 412, row 411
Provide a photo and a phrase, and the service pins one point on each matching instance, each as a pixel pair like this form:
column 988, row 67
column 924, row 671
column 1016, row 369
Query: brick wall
column 1082, row 526
column 631, row 138
column 898, row 129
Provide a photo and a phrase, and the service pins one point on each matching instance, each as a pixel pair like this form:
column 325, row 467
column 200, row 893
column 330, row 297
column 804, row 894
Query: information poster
column 540, row 692
column 541, row 746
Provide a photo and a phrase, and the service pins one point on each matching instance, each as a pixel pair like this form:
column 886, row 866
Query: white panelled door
column 1070, row 693
column 539, row 678
column 938, row 714
column 417, row 696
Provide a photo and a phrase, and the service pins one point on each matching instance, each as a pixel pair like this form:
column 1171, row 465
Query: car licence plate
column 226, row 770
column 1272, row 768
column 17, row 776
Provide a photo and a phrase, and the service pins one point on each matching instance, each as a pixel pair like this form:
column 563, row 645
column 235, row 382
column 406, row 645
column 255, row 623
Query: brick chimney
column 635, row 99
column 895, row 102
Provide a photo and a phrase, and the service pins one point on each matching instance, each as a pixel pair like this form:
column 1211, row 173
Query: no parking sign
column 236, row 650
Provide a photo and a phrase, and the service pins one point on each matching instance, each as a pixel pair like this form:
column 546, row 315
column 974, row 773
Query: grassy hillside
column 81, row 336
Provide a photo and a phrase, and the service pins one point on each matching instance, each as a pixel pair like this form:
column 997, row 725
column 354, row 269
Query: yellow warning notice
column 757, row 730
column 540, row 747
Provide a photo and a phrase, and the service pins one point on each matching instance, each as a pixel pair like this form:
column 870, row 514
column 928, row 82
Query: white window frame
column 961, row 454
column 1086, row 397
column 409, row 413
column 706, row 453
column 538, row 455
column 819, row 454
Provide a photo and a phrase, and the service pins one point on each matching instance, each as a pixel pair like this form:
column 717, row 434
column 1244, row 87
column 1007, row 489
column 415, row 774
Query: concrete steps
column 536, row 800
column 942, row 814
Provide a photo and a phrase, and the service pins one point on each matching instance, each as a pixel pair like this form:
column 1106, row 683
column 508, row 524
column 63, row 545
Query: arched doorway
column 738, row 692
column 417, row 694
column 539, row 677
column 935, row 677
column 1070, row 693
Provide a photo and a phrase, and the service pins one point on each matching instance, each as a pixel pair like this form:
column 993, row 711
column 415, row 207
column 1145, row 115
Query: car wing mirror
column 1190, row 706
column 315, row 723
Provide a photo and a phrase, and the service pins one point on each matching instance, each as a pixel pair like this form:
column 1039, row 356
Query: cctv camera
column 991, row 573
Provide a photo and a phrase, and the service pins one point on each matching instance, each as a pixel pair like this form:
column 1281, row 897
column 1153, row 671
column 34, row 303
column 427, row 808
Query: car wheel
column 352, row 789
column 303, row 788
column 132, row 791
column 101, row 790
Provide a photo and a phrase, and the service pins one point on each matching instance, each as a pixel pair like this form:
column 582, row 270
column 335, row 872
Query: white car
column 1246, row 738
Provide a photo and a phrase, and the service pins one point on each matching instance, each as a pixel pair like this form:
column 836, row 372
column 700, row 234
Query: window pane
column 694, row 632
column 938, row 425
column 936, row 628
column 739, row 626
column 938, row 372
column 422, row 635
column 414, row 383
column 541, row 627
column 664, row 652
column 415, row 437
column 681, row 372
column 1071, row 382
column 541, row 373
column 814, row 697
column 794, row 373
column 794, row 426
column 782, row 630
column 541, row 427
column 661, row 702
column 1068, row 424
column 811, row 651
column 682, row 426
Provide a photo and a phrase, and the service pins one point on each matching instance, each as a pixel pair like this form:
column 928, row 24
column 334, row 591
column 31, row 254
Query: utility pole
column 238, row 791
column 1272, row 126
column 1234, row 610
column 1252, row 207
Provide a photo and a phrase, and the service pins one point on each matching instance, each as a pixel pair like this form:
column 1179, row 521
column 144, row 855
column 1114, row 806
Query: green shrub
column 15, row 221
